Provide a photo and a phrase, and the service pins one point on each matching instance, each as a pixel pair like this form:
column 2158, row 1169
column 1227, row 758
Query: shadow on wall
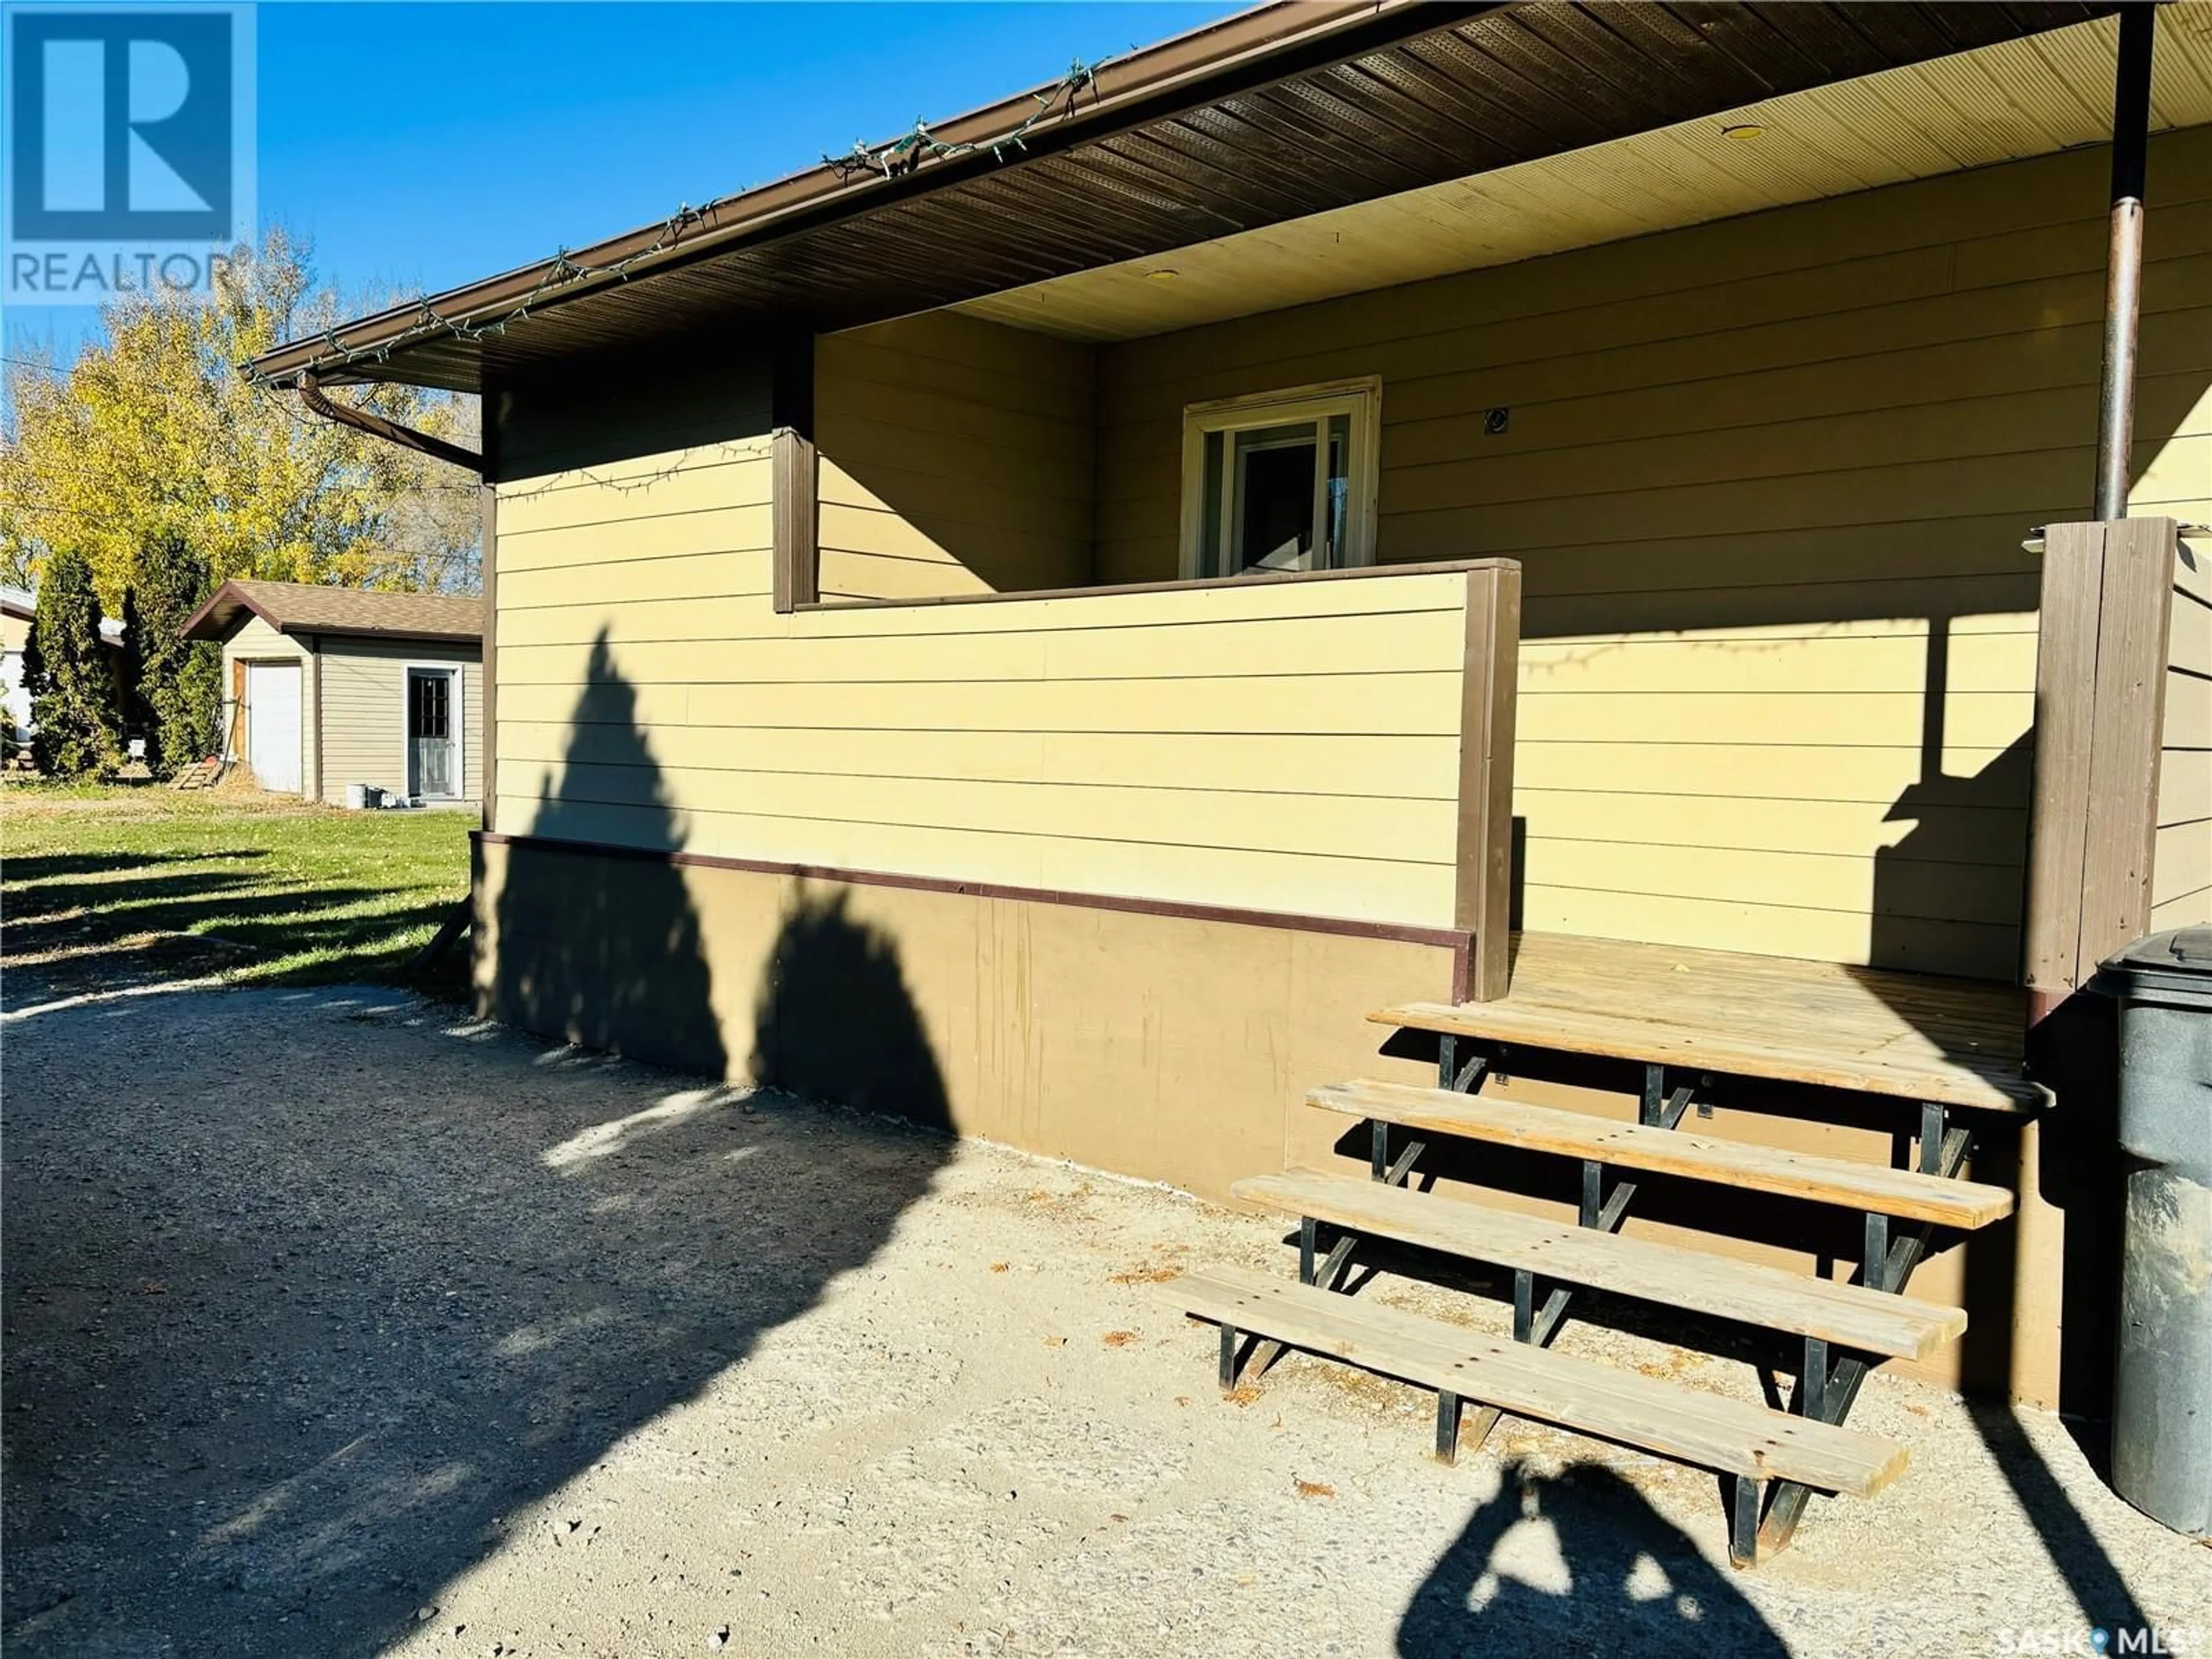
column 1970, row 830
column 1613, row 1578
column 597, row 409
column 1966, row 856
column 1973, row 825
column 983, row 478
column 605, row 951
column 834, row 1021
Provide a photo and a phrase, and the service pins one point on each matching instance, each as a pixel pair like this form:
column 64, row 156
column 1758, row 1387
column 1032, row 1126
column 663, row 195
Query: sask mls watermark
column 129, row 148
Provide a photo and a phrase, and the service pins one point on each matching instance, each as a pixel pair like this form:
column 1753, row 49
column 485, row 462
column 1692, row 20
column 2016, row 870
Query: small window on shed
column 1284, row 481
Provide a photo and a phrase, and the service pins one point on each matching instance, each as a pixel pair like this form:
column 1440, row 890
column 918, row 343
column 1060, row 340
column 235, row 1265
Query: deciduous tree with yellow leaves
column 152, row 437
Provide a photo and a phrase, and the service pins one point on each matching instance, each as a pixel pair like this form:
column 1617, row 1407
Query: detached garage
column 325, row 687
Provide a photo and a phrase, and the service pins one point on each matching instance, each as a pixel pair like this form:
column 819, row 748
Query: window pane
column 1274, row 519
column 1337, row 506
column 431, row 696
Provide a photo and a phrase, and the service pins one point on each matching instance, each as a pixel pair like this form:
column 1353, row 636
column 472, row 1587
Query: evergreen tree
column 74, row 710
column 180, row 680
column 35, row 684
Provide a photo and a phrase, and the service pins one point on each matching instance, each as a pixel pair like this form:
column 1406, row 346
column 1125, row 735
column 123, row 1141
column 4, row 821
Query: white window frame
column 1359, row 400
column 458, row 694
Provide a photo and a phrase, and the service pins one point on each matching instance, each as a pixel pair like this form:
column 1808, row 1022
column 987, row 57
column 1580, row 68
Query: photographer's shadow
column 1633, row 1583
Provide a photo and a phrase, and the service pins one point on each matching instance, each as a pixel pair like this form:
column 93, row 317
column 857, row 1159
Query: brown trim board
column 796, row 518
column 1489, row 678
column 1444, row 938
column 1254, row 579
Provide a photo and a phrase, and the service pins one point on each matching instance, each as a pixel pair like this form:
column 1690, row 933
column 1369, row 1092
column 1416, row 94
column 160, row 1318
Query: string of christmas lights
column 894, row 159
column 902, row 156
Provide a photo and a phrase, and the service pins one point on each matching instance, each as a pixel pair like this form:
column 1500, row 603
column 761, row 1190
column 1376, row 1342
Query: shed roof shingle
column 311, row 608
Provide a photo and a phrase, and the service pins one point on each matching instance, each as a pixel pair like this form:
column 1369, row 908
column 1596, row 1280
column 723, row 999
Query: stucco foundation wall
column 1167, row 1047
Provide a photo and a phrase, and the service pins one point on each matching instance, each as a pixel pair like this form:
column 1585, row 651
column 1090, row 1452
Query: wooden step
column 1911, row 1037
column 1729, row 1436
column 1851, row 1316
column 1907, row 1192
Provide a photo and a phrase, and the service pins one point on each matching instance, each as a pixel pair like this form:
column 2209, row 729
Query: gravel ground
column 336, row 1324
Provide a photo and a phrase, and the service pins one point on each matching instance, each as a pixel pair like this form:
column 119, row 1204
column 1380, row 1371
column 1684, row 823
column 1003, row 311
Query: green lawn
column 102, row 888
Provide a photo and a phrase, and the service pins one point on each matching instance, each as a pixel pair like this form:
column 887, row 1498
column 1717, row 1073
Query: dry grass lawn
column 106, row 887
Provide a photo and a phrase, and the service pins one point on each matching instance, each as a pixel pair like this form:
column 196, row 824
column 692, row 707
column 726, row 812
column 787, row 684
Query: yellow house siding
column 2181, row 867
column 364, row 711
column 1283, row 747
column 1768, row 480
column 955, row 458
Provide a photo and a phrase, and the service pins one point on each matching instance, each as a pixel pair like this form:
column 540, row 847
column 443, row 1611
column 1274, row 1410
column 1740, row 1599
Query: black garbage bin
column 2162, row 1395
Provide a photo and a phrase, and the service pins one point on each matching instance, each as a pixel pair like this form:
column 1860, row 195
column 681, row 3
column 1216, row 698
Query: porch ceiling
column 1274, row 116
column 1999, row 103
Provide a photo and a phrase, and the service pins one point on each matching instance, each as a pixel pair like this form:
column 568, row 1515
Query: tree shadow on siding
column 1632, row 1584
column 408, row 1282
column 834, row 1021
column 604, row 950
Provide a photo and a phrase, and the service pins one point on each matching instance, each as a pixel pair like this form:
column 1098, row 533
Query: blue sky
column 422, row 145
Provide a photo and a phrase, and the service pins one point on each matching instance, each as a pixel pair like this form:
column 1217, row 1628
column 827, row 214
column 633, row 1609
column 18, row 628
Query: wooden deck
column 1956, row 1042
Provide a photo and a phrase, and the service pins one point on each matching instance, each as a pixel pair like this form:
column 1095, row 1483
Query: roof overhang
column 2012, row 102
column 1288, row 111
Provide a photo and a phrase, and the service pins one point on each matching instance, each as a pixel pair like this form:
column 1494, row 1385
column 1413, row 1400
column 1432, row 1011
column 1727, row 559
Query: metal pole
column 2116, row 404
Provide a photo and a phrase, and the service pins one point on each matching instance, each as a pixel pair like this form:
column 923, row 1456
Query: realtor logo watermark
column 128, row 148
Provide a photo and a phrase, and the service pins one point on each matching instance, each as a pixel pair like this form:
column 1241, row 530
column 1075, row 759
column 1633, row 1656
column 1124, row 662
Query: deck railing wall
column 1311, row 747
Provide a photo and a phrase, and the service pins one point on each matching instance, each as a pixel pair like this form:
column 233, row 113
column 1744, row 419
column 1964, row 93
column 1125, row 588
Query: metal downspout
column 391, row 431
column 2116, row 403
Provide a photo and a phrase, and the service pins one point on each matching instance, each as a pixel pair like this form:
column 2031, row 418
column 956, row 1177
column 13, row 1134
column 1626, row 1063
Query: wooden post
column 797, row 472
column 2100, row 706
column 798, row 551
column 1490, row 671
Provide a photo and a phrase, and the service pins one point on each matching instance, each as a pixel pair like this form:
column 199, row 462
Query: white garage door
column 272, row 724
